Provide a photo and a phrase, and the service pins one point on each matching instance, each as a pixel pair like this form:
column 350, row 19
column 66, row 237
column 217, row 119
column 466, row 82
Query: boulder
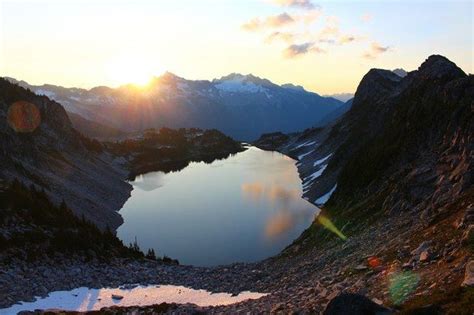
column 469, row 275
column 117, row 297
column 424, row 256
column 354, row 304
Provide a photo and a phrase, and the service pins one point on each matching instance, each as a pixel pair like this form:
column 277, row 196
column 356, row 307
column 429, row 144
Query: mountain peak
column 400, row 72
column 245, row 78
column 437, row 67
column 168, row 77
column 293, row 87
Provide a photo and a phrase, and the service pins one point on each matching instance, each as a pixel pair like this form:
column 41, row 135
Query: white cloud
column 300, row 4
column 375, row 50
column 270, row 22
column 296, row 50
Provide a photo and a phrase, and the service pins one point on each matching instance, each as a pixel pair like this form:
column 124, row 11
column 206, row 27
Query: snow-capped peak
column 236, row 82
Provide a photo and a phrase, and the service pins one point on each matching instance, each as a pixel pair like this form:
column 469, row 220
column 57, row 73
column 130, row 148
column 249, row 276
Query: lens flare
column 373, row 262
column 401, row 285
column 324, row 221
column 23, row 117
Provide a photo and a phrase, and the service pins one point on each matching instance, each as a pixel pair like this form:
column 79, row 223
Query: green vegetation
column 171, row 150
column 32, row 226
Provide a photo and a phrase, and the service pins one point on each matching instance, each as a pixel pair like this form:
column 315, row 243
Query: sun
column 131, row 69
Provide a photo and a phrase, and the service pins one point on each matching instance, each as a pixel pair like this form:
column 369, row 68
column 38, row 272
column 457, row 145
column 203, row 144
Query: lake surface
column 245, row 208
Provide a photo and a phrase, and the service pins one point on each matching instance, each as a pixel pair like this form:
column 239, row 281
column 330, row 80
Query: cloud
column 252, row 25
column 310, row 17
column 280, row 36
column 270, row 22
column 379, row 49
column 330, row 30
column 344, row 39
column 296, row 50
column 300, row 4
column 366, row 17
column 375, row 50
column 279, row 20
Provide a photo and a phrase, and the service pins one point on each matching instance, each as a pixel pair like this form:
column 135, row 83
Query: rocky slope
column 241, row 106
column 395, row 126
column 397, row 228
column 395, row 176
column 96, row 130
column 40, row 147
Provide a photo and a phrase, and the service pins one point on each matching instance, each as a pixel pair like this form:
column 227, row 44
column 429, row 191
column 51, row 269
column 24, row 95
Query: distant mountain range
column 242, row 106
column 343, row 97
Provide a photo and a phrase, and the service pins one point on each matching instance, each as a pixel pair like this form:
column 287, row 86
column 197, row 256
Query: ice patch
column 324, row 198
column 85, row 299
column 316, row 163
column 306, row 144
column 304, row 154
column 315, row 175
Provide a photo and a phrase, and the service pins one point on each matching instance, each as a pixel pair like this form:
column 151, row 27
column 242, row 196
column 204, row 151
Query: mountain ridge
column 242, row 106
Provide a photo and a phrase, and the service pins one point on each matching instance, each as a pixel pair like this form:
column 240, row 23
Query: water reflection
column 149, row 182
column 292, row 209
column 245, row 208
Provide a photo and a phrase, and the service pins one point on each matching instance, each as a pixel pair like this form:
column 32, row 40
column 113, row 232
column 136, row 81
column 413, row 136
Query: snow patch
column 306, row 144
column 85, row 299
column 324, row 198
column 316, row 163
column 315, row 175
column 304, row 154
column 238, row 84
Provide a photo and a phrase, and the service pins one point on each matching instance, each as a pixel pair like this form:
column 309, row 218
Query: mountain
column 242, row 106
column 93, row 129
column 416, row 120
column 400, row 72
column 335, row 114
column 394, row 179
column 343, row 97
column 40, row 148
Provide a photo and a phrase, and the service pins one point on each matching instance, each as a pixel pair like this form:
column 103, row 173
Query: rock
column 423, row 247
column 117, row 297
column 424, row 256
column 468, row 235
column 407, row 266
column 469, row 275
column 277, row 308
column 354, row 304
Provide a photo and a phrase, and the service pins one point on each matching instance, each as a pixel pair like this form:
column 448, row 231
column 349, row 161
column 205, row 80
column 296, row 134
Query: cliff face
column 39, row 146
column 406, row 142
column 394, row 178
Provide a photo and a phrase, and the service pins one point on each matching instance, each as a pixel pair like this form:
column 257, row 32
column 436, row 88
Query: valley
column 392, row 176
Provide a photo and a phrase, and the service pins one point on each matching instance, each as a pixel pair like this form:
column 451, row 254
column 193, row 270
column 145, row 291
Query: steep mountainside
column 39, row 146
column 395, row 126
column 242, row 106
column 394, row 177
column 95, row 129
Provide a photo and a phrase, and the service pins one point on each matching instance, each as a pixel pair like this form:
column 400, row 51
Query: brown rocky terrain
column 397, row 228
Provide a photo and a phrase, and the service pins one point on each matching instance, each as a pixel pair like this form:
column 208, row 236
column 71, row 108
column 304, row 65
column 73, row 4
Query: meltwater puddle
column 85, row 299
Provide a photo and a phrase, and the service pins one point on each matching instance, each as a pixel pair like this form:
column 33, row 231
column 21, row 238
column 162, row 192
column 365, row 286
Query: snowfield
column 321, row 161
column 324, row 198
column 85, row 299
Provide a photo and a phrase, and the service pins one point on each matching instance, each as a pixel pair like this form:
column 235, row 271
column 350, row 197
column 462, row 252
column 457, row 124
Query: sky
column 325, row 46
